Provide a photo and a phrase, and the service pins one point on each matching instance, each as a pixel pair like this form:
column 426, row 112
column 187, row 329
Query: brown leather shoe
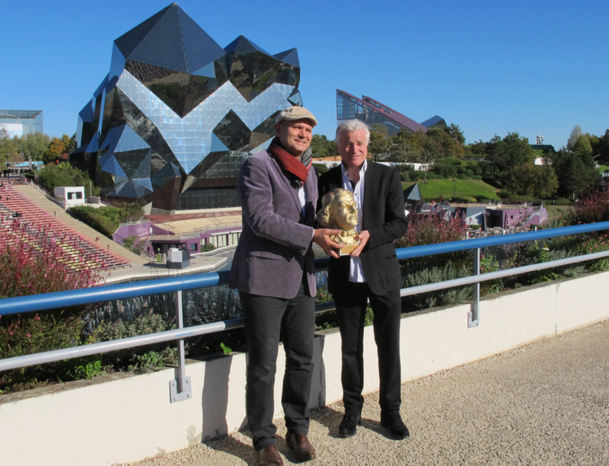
column 301, row 446
column 268, row 456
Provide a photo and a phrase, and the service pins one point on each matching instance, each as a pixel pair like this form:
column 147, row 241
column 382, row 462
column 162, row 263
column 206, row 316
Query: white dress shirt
column 356, row 272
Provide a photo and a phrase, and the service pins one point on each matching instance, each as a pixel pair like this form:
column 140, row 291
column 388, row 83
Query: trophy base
column 345, row 251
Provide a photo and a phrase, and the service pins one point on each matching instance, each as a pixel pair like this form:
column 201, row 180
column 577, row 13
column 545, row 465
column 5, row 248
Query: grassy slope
column 434, row 189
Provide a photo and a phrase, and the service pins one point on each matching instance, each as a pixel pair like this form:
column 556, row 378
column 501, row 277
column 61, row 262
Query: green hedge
column 103, row 219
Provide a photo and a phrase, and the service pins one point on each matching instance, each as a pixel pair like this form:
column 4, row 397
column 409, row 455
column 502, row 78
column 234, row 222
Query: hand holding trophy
column 339, row 211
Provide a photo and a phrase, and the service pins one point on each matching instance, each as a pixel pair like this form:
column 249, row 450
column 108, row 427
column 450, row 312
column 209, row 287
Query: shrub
column 107, row 219
column 592, row 207
column 488, row 264
column 321, row 168
column 424, row 270
column 32, row 262
column 129, row 211
column 55, row 176
column 103, row 219
column 140, row 359
column 430, row 229
column 464, row 198
column 130, row 241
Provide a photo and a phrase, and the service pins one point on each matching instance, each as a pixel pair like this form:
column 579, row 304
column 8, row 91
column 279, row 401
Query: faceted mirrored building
column 177, row 114
column 372, row 112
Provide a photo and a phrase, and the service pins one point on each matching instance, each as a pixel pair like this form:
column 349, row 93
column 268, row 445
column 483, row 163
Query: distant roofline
column 392, row 114
column 21, row 114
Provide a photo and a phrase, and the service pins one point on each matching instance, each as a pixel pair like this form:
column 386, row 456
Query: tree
column 600, row 147
column 506, row 154
column 322, row 147
column 380, row 142
column 456, row 134
column 582, row 146
column 575, row 134
column 8, row 148
column 33, row 145
column 575, row 173
column 69, row 142
column 408, row 146
column 446, row 142
column 483, row 148
column 54, row 151
column 64, row 174
column 534, row 181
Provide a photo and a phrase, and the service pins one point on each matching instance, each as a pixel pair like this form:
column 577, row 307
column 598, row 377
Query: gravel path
column 544, row 403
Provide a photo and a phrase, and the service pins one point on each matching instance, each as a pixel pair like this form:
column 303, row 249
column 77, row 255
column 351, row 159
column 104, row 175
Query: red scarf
column 288, row 162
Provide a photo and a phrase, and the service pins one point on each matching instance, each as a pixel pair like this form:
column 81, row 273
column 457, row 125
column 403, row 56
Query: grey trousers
column 267, row 321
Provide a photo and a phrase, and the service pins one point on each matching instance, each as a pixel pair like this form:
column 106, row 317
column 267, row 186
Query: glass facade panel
column 22, row 122
column 177, row 114
column 372, row 112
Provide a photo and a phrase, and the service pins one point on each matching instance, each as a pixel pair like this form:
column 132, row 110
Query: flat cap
column 295, row 113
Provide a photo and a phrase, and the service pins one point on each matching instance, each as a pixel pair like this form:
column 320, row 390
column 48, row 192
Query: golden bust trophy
column 339, row 211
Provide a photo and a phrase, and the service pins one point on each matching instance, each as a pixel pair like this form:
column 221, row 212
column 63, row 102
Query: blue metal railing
column 41, row 302
column 24, row 304
column 176, row 285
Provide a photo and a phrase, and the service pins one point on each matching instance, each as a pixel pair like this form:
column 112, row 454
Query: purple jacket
column 275, row 245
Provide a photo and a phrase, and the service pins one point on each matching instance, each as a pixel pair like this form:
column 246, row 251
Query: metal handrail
column 41, row 302
column 54, row 300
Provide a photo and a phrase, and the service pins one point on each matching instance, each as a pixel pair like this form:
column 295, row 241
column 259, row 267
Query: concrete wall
column 129, row 418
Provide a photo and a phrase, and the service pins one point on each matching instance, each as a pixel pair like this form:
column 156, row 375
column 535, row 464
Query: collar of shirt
column 348, row 181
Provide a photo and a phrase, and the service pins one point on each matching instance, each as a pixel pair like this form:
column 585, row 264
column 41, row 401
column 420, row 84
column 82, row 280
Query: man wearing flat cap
column 273, row 269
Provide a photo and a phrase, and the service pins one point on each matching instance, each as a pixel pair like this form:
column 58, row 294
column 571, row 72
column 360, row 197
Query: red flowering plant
column 591, row 207
column 433, row 228
column 33, row 260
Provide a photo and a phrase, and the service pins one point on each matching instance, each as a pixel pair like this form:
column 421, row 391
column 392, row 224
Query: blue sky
column 534, row 67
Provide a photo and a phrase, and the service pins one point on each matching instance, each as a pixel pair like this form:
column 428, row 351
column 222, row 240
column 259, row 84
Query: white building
column 70, row 196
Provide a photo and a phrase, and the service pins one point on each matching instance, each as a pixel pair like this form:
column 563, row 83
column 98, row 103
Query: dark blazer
column 384, row 218
column 274, row 249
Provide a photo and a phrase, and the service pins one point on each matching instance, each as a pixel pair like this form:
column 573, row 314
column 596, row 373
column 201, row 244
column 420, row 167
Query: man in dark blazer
column 273, row 269
column 371, row 272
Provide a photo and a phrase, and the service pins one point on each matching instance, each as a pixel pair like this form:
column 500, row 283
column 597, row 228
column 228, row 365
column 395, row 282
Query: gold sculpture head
column 338, row 210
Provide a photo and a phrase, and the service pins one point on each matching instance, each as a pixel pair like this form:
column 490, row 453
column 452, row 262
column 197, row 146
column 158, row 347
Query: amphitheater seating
column 23, row 221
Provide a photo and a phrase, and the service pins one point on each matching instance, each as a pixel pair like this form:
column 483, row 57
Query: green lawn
column 434, row 189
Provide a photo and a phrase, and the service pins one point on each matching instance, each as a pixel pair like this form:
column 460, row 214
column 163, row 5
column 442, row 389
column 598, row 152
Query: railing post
column 473, row 315
column 180, row 389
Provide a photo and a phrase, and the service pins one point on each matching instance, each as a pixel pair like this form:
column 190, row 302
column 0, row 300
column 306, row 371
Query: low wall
column 128, row 418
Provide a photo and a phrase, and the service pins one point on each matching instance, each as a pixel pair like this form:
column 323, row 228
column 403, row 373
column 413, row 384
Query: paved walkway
column 546, row 403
